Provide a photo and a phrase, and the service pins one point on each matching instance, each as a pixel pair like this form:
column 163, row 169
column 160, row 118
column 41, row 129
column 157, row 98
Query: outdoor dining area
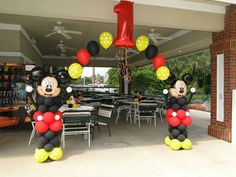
column 101, row 112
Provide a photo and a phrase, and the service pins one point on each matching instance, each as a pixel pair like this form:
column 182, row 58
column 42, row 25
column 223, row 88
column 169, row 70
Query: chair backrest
column 76, row 117
column 105, row 110
column 147, row 107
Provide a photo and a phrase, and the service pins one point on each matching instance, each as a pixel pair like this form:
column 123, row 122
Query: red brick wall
column 224, row 42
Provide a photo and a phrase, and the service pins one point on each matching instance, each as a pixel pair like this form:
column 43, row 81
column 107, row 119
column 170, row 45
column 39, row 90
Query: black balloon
column 175, row 106
column 187, row 78
column 56, row 141
column 175, row 133
column 38, row 134
column 181, row 101
column 151, row 51
column 53, row 108
column 93, row 48
column 36, row 73
column 63, row 76
column 185, row 133
column 49, row 134
column 58, row 133
column 48, row 147
column 171, row 136
column 40, row 100
column 57, row 101
column 171, row 128
column 42, row 109
column 49, row 101
column 172, row 100
column 181, row 137
column 42, row 141
column 181, row 127
column 171, row 79
column 70, row 105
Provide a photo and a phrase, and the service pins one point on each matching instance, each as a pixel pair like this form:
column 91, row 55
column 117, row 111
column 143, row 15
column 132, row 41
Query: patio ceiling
column 186, row 22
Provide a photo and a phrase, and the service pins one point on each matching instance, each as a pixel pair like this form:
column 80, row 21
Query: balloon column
column 177, row 114
column 48, row 119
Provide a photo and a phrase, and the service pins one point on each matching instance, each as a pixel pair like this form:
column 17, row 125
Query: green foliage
column 82, row 80
column 145, row 81
column 113, row 78
column 198, row 65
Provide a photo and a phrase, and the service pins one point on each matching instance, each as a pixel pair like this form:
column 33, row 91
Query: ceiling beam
column 226, row 1
column 186, row 5
column 102, row 11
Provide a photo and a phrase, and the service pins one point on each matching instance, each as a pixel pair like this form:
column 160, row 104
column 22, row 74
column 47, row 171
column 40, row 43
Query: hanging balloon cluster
column 124, row 40
column 48, row 120
column 177, row 114
column 83, row 57
column 158, row 60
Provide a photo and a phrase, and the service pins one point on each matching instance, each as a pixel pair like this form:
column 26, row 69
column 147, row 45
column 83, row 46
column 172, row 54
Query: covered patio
column 187, row 26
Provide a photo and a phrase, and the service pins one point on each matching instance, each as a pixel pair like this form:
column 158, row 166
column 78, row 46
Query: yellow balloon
column 186, row 144
column 167, row 141
column 175, row 144
column 56, row 153
column 75, row 70
column 40, row 155
column 106, row 40
column 162, row 73
column 142, row 43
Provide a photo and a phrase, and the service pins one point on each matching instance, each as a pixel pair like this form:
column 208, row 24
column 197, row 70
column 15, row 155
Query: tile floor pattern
column 130, row 152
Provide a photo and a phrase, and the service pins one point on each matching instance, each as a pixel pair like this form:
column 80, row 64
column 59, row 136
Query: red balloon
column 187, row 121
column 56, row 126
column 83, row 57
column 41, row 127
column 167, row 119
column 124, row 37
column 58, row 115
column 158, row 61
column 36, row 114
column 169, row 112
column 181, row 114
column 48, row 117
column 174, row 121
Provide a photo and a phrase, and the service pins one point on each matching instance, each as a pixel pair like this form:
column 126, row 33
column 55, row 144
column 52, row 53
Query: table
column 81, row 108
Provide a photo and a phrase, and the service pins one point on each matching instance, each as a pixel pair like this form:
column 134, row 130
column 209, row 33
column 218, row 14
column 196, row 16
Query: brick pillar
column 224, row 42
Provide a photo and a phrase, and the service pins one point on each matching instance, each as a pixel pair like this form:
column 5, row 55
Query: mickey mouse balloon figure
column 47, row 118
column 177, row 114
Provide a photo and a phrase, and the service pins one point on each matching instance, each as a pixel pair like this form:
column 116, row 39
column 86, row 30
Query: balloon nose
column 48, row 89
column 181, row 90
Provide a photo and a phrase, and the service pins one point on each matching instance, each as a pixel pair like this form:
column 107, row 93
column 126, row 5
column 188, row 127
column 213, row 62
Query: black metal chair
column 147, row 111
column 75, row 123
column 104, row 116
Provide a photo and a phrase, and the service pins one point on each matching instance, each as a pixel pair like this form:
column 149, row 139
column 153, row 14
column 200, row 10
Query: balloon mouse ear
column 63, row 76
column 37, row 73
column 170, row 79
column 187, row 78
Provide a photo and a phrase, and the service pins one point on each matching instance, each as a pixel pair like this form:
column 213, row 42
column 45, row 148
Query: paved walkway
column 130, row 152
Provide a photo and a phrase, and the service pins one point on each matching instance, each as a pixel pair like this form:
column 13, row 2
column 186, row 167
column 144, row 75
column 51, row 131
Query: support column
column 223, row 42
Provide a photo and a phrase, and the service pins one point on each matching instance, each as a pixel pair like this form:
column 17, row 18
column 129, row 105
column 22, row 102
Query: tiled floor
column 130, row 152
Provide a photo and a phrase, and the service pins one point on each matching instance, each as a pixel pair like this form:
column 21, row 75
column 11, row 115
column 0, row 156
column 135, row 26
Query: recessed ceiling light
column 179, row 51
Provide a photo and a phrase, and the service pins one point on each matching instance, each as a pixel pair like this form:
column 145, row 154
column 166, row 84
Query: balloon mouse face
column 49, row 87
column 180, row 89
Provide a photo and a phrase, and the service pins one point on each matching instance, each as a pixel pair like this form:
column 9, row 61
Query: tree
column 113, row 78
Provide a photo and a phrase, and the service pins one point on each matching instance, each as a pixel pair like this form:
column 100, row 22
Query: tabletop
column 64, row 108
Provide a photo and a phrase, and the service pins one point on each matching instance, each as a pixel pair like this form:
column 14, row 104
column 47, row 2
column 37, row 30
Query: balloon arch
column 47, row 117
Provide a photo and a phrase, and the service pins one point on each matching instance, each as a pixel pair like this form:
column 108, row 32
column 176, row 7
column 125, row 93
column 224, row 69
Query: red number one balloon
column 124, row 36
